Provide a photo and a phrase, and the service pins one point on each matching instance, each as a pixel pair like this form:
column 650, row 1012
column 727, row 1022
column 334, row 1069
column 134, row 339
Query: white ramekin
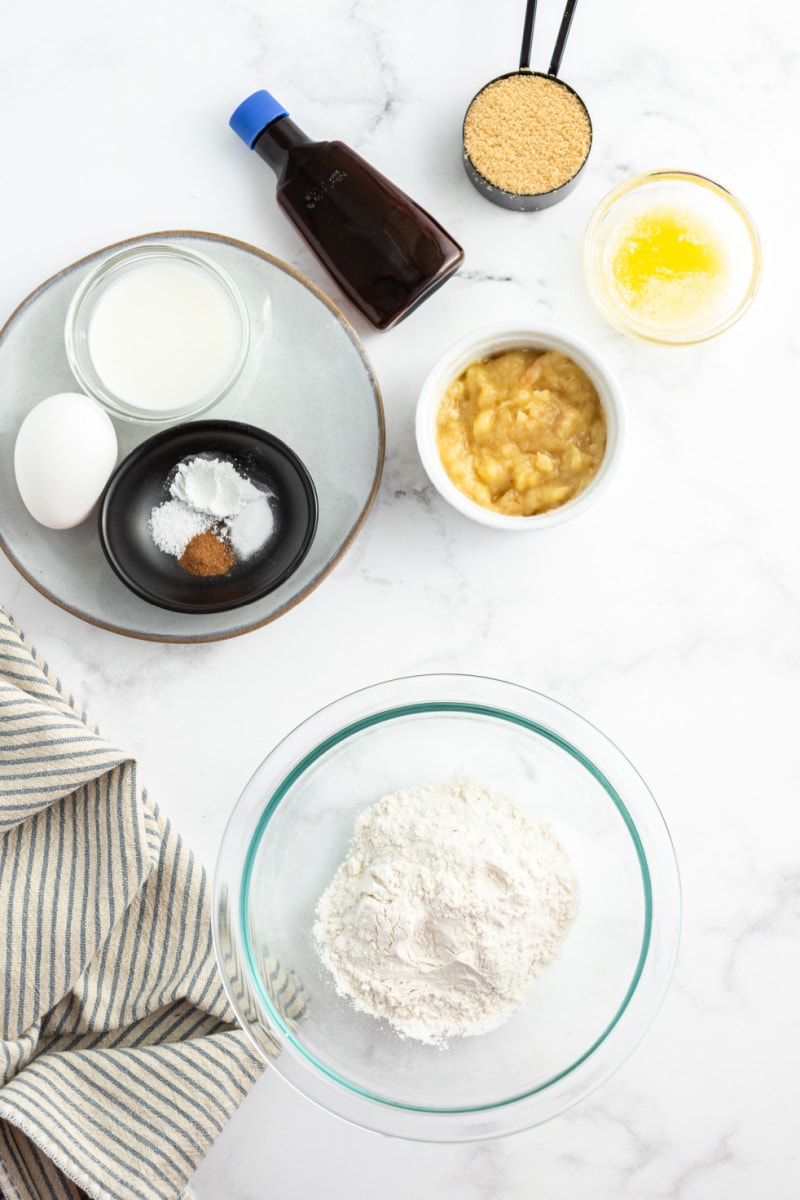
column 494, row 339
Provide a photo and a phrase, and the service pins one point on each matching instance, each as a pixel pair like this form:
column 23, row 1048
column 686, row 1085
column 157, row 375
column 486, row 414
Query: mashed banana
column 521, row 432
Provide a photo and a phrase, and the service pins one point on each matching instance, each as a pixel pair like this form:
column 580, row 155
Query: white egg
column 65, row 451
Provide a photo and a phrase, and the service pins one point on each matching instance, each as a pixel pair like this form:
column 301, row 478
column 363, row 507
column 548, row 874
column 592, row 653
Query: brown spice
column 527, row 134
column 207, row 555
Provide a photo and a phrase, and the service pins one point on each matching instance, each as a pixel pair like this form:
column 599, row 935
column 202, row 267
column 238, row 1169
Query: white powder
column 251, row 529
column 213, row 486
column 448, row 905
column 210, row 493
column 173, row 525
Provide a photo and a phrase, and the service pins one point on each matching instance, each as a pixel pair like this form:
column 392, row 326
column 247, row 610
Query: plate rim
column 349, row 330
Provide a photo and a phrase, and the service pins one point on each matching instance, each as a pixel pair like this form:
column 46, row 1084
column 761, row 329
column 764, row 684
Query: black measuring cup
column 519, row 201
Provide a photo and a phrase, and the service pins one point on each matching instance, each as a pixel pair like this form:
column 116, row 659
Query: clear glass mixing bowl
column 291, row 829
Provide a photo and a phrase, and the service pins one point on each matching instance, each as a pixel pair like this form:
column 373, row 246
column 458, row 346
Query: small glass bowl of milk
column 157, row 333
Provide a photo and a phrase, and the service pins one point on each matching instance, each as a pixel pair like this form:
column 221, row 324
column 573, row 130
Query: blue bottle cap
column 254, row 115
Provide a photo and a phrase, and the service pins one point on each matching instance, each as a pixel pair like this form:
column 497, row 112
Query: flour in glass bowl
column 448, row 905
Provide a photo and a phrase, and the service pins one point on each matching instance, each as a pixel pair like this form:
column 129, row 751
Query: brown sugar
column 527, row 134
column 207, row 555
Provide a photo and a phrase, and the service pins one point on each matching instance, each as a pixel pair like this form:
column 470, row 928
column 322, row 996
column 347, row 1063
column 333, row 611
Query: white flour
column 448, row 905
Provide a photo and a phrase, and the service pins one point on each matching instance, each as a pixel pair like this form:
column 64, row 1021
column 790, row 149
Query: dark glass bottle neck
column 275, row 142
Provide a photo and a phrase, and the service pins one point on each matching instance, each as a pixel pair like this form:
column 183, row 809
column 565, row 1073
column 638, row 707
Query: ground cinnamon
column 207, row 555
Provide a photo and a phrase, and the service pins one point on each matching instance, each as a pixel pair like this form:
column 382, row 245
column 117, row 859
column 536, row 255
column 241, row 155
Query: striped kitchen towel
column 119, row 1058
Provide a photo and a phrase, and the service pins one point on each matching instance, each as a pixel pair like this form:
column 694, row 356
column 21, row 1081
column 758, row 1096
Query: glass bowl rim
column 373, row 1111
column 78, row 356
column 643, row 332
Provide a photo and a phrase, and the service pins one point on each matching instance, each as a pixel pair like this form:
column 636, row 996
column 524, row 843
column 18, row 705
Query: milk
column 163, row 336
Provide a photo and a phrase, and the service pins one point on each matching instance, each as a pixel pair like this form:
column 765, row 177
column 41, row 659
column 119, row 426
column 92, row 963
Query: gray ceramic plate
column 309, row 383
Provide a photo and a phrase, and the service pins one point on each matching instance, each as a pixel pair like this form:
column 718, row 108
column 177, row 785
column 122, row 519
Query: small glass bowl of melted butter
column 672, row 257
column 520, row 428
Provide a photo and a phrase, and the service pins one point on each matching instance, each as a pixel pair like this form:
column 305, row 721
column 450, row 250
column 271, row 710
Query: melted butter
column 669, row 266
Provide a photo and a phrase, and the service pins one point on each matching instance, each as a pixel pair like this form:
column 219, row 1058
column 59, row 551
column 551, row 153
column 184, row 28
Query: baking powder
column 213, row 486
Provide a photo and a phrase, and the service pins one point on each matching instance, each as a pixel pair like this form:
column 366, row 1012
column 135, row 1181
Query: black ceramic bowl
column 139, row 485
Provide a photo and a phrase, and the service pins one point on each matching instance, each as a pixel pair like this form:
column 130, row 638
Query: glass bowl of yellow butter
column 672, row 257
column 520, row 427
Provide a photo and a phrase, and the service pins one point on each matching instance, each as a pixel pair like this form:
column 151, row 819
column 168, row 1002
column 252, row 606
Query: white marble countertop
column 667, row 615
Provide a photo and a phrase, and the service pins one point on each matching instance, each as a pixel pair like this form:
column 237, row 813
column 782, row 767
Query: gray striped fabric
column 119, row 1059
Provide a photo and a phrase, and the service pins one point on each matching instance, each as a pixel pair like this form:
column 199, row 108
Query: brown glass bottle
column 385, row 252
